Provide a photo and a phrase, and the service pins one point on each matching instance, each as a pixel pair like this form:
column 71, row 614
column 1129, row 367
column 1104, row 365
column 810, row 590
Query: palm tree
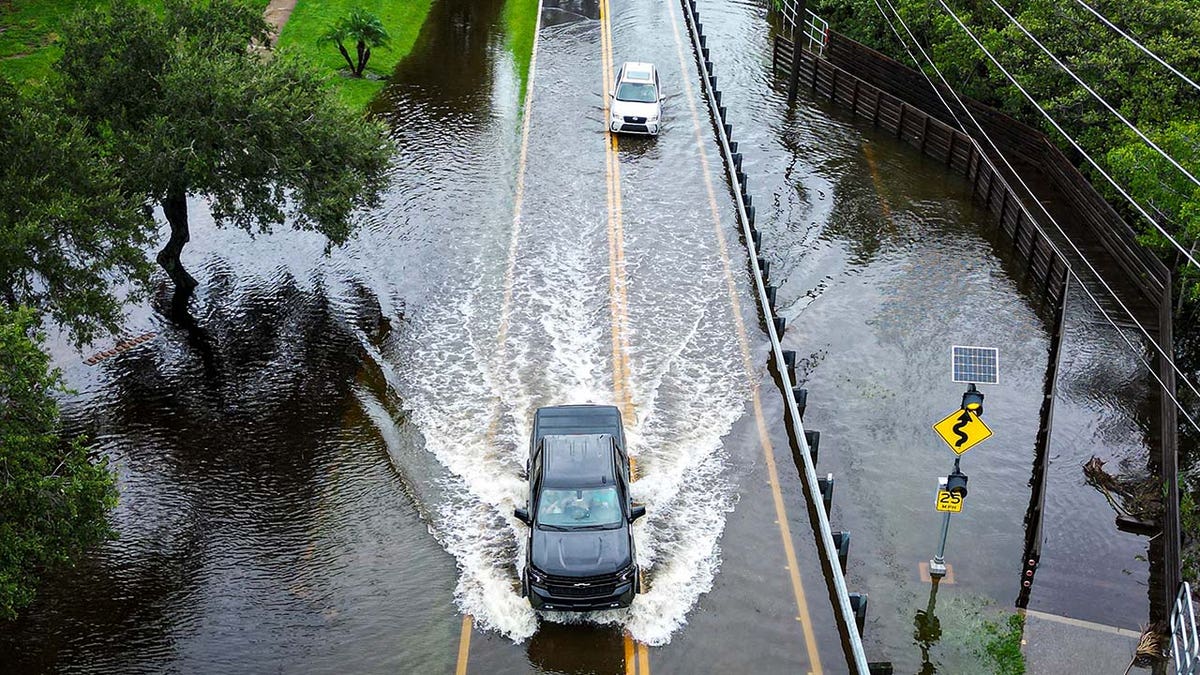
column 363, row 28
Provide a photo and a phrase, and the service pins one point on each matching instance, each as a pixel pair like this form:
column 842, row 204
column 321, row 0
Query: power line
column 1097, row 274
column 1139, row 45
column 1107, row 105
column 1074, row 274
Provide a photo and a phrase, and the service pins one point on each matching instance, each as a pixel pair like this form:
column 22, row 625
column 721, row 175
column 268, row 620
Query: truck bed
column 577, row 419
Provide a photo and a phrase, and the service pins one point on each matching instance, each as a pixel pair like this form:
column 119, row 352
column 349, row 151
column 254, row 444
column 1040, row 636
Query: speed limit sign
column 948, row 500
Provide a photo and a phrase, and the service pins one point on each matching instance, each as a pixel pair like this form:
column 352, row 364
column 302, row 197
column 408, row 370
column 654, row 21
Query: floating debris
column 1151, row 647
column 1133, row 497
column 122, row 346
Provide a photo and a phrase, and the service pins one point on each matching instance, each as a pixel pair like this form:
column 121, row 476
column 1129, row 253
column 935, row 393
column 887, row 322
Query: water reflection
column 927, row 630
column 220, row 469
column 555, row 648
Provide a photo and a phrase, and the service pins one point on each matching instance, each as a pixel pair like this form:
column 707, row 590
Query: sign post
column 962, row 430
column 951, row 493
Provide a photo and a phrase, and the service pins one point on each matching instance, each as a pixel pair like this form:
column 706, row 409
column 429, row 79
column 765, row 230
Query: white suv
column 637, row 101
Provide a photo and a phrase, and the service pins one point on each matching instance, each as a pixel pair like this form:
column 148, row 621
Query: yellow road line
column 464, row 645
column 747, row 363
column 618, row 296
column 883, row 203
column 464, row 639
column 637, row 656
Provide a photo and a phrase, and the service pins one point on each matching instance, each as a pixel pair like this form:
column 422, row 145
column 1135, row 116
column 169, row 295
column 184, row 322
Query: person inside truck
column 576, row 506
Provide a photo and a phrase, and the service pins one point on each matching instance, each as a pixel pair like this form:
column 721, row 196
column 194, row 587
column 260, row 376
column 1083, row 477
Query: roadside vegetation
column 1158, row 102
column 520, row 23
column 145, row 105
column 1001, row 646
column 32, row 29
column 55, row 494
column 184, row 109
column 312, row 20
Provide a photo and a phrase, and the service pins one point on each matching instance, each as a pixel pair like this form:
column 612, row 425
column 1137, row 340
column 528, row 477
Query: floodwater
column 327, row 485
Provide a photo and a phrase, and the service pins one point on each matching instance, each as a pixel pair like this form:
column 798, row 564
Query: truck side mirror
column 522, row 514
column 636, row 511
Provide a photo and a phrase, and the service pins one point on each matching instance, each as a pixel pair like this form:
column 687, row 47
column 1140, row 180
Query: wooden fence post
column 797, row 51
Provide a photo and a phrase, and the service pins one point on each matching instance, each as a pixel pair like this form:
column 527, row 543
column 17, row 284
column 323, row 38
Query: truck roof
column 577, row 461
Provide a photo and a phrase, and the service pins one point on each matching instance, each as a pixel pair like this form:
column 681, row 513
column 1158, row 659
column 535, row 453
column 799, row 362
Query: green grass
column 311, row 18
column 1002, row 645
column 28, row 40
column 520, row 23
column 29, row 35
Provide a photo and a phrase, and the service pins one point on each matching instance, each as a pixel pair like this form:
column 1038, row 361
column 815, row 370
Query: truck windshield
column 587, row 507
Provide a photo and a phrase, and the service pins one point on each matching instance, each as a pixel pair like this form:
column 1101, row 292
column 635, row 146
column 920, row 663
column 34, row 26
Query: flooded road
column 330, row 488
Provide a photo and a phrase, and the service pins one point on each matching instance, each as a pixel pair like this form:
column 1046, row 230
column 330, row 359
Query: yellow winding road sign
column 962, row 430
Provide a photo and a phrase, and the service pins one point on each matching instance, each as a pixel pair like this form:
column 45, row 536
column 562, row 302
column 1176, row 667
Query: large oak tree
column 68, row 234
column 189, row 106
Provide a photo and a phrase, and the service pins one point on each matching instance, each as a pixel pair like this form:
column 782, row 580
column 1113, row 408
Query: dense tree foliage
column 53, row 496
column 67, row 232
column 188, row 109
column 1158, row 102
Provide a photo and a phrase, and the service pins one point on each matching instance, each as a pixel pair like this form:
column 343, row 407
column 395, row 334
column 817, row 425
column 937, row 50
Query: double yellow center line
column 637, row 656
column 617, row 284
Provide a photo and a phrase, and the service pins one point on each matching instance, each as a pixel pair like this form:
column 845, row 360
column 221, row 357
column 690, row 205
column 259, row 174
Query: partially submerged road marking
column 464, row 639
column 637, row 656
column 785, row 534
column 883, row 202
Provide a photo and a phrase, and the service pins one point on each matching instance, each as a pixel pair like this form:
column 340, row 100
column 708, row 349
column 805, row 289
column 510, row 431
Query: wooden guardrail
column 938, row 140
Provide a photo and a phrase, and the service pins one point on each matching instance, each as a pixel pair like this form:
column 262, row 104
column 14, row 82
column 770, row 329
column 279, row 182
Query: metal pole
column 937, row 566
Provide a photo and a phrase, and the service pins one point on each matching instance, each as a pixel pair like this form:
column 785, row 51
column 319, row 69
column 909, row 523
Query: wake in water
column 468, row 404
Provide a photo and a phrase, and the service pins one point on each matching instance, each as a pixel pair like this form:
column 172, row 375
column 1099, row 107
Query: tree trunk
column 175, row 208
column 366, row 58
column 362, row 63
column 346, row 55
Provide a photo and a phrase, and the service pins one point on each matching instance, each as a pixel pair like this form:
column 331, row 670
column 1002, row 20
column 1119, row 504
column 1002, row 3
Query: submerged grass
column 312, row 18
column 1002, row 645
column 520, row 24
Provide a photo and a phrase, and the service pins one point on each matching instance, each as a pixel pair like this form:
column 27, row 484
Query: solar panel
column 978, row 365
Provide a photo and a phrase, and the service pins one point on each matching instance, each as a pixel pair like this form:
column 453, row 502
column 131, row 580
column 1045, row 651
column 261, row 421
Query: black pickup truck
column 580, row 552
